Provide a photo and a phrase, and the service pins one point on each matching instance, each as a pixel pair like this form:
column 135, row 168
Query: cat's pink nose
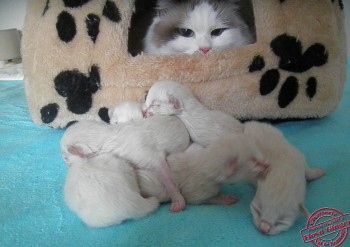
column 264, row 227
column 204, row 49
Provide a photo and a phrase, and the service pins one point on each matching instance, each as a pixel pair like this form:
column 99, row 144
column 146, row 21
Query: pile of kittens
column 173, row 148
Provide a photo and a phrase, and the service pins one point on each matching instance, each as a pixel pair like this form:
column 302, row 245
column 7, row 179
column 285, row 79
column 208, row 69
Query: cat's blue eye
column 187, row 33
column 217, row 32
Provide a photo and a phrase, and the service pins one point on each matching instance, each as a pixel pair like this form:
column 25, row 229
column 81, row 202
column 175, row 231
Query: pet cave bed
column 77, row 65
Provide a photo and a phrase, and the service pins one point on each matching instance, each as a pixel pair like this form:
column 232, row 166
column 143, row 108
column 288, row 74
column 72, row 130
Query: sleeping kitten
column 125, row 111
column 143, row 142
column 196, row 26
column 103, row 190
column 199, row 172
column 204, row 125
column 280, row 196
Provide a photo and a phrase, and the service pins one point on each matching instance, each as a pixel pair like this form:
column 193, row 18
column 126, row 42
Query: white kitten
column 144, row 143
column 204, row 125
column 196, row 26
column 103, row 191
column 200, row 172
column 280, row 196
column 125, row 112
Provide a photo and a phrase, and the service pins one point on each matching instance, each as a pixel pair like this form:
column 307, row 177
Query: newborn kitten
column 125, row 112
column 196, row 26
column 144, row 143
column 103, row 191
column 280, row 196
column 199, row 172
column 204, row 125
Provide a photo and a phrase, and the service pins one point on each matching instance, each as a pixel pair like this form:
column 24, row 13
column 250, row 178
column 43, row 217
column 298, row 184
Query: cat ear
column 255, row 209
column 175, row 102
column 263, row 165
column 163, row 5
column 80, row 150
column 303, row 210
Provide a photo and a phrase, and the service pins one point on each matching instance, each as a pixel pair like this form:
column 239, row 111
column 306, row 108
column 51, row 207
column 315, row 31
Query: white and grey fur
column 197, row 26
column 103, row 190
column 200, row 172
column 280, row 196
column 143, row 142
column 204, row 125
column 125, row 111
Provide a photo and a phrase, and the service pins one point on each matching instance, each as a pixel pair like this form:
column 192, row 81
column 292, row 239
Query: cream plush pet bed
column 77, row 65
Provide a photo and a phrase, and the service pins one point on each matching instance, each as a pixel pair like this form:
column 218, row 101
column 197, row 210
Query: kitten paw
column 177, row 206
column 223, row 200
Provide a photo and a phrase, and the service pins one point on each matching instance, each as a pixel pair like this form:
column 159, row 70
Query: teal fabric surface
column 32, row 174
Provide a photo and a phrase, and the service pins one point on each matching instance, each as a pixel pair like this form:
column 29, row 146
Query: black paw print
column 341, row 4
column 292, row 59
column 78, row 88
column 72, row 84
column 66, row 25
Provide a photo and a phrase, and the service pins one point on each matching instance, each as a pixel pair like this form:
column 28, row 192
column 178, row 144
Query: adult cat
column 197, row 26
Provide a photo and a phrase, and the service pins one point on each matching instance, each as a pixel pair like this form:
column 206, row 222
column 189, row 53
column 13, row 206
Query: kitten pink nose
column 264, row 227
column 204, row 49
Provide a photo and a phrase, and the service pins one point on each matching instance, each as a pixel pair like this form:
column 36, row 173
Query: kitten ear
column 263, row 166
column 255, row 209
column 303, row 210
column 80, row 150
column 175, row 102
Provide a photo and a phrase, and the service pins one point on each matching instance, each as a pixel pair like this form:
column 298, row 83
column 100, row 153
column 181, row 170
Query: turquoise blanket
column 32, row 174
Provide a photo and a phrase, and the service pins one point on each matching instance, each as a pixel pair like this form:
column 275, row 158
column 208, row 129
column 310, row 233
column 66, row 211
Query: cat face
column 165, row 104
column 197, row 26
column 271, row 220
column 166, row 97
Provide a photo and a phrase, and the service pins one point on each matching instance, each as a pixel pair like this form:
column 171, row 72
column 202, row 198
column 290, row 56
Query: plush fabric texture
column 33, row 212
column 77, row 65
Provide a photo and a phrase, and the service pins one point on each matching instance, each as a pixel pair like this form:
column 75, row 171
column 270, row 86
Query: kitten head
column 279, row 200
column 166, row 98
column 125, row 112
column 197, row 26
column 271, row 220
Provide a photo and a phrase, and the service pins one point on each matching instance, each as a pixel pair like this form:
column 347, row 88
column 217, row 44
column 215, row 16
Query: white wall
column 12, row 14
